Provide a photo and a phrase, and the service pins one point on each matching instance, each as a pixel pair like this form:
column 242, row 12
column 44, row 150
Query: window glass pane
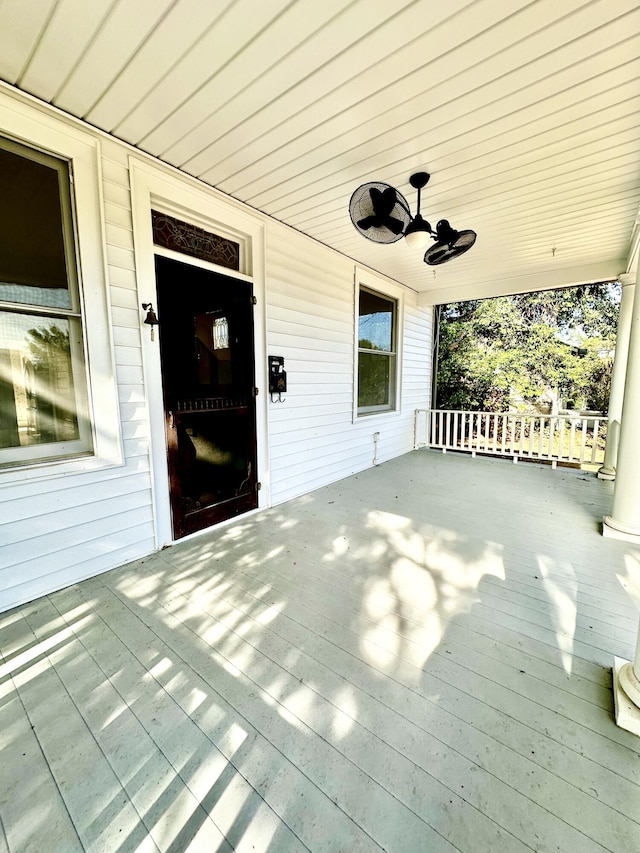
column 375, row 325
column 375, row 373
column 37, row 399
column 33, row 267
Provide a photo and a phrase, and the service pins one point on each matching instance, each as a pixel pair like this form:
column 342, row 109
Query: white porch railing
column 560, row 439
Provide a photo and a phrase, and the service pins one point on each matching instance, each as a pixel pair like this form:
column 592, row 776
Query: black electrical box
column 277, row 375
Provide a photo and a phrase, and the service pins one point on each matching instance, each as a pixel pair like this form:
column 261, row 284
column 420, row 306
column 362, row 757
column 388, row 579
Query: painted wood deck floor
column 417, row 658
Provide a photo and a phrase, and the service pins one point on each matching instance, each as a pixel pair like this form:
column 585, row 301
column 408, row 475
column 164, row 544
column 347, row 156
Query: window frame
column 32, row 127
column 83, row 445
column 384, row 289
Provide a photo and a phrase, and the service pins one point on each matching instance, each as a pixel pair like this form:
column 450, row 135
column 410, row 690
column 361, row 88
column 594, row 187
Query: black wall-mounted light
column 150, row 319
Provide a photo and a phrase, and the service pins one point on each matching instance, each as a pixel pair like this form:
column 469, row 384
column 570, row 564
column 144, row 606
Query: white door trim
column 154, row 188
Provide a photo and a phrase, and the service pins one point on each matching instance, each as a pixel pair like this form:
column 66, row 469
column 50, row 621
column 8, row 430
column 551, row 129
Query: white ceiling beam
column 550, row 280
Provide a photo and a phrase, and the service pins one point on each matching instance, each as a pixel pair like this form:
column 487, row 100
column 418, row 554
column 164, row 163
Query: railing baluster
column 572, row 440
column 522, row 420
column 594, row 439
column 583, row 443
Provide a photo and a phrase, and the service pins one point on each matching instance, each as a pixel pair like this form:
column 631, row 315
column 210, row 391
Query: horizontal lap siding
column 57, row 531
column 313, row 440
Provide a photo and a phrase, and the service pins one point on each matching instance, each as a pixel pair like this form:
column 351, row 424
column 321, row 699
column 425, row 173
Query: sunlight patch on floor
column 561, row 586
column 159, row 668
column 428, row 577
column 347, row 707
column 300, row 701
column 44, row 647
column 269, row 614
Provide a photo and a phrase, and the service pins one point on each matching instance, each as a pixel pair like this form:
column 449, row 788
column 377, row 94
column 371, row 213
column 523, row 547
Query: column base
column 627, row 713
column 606, row 473
column 615, row 530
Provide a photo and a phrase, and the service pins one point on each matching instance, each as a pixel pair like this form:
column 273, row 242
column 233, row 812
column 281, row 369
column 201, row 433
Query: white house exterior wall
column 56, row 529
column 314, row 438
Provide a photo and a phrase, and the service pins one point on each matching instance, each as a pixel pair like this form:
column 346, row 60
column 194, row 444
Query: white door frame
column 153, row 187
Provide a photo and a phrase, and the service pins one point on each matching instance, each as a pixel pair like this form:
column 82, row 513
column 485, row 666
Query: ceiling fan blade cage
column 379, row 212
column 441, row 251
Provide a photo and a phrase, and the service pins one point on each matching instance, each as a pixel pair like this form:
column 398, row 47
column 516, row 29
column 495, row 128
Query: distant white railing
column 561, row 439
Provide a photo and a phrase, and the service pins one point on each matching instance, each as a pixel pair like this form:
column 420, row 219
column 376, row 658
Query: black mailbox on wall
column 277, row 375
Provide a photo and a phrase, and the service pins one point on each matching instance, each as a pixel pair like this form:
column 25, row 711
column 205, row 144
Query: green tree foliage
column 373, row 376
column 528, row 349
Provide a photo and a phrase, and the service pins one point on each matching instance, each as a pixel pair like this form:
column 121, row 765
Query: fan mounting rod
column 418, row 181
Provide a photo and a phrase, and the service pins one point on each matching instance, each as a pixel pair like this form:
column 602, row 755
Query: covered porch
column 414, row 658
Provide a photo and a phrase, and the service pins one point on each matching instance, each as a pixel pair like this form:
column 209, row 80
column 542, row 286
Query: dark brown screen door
column 207, row 356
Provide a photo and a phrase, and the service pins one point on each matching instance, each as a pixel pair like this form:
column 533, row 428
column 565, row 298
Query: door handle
column 172, row 421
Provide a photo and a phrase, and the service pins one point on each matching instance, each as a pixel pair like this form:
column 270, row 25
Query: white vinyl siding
column 311, row 321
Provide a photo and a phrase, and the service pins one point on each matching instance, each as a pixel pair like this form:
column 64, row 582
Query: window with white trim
column 377, row 351
column 43, row 384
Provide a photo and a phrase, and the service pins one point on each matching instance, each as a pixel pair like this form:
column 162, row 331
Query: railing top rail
column 566, row 416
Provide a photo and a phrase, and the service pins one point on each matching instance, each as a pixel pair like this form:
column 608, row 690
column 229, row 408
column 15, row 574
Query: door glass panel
column 213, row 354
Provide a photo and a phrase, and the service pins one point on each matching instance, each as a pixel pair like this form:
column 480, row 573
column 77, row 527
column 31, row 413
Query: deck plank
column 33, row 814
column 417, row 658
column 383, row 818
column 440, row 758
column 585, row 775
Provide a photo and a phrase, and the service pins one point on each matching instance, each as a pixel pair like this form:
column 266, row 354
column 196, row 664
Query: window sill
column 50, row 468
column 377, row 413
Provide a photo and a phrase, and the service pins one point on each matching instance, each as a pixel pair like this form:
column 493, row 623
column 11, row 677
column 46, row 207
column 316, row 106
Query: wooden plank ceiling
column 525, row 112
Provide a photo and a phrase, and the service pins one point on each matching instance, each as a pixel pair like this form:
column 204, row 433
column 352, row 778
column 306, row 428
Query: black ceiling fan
column 382, row 214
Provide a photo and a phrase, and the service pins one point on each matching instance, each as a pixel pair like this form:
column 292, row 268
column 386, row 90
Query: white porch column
column 624, row 521
column 608, row 469
column 626, row 692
